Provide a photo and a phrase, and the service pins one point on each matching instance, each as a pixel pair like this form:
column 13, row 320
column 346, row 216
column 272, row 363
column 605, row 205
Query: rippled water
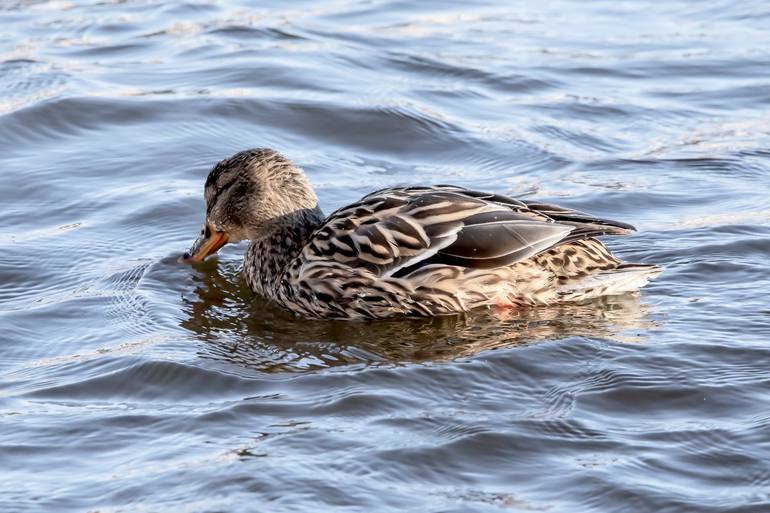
column 131, row 383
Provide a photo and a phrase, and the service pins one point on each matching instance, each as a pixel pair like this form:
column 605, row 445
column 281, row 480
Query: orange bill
column 204, row 246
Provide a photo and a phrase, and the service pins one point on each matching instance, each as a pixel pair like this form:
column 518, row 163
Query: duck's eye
column 207, row 232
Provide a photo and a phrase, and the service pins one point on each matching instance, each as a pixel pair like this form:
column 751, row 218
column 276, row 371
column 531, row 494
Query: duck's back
column 443, row 249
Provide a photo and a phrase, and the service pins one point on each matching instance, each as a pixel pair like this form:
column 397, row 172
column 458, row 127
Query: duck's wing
column 393, row 232
column 586, row 225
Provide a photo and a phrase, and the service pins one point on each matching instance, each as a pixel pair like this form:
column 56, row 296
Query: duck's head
column 248, row 196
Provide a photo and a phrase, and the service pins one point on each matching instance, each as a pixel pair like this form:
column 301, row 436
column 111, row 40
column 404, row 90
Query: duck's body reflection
column 245, row 330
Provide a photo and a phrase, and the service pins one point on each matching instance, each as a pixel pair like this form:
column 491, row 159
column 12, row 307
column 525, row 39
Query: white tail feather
column 625, row 278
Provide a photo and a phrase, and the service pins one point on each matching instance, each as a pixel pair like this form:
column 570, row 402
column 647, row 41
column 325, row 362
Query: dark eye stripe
column 220, row 190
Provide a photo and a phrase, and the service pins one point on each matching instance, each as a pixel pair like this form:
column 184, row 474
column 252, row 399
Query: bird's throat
column 267, row 258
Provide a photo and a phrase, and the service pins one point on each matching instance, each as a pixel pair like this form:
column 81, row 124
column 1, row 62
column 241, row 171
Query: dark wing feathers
column 394, row 232
column 487, row 246
column 509, row 235
column 586, row 225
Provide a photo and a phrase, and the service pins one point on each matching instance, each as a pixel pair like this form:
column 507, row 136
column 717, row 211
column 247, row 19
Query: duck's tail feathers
column 623, row 278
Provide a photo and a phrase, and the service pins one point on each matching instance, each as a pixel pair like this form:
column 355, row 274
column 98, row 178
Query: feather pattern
column 444, row 249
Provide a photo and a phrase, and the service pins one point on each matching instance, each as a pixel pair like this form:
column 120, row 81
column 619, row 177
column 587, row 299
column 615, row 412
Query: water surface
column 131, row 383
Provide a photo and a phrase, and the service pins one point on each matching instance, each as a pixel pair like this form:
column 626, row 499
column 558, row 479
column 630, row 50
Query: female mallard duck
column 404, row 250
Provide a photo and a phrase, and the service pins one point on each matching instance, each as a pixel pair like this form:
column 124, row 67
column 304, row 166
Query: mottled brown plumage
column 419, row 251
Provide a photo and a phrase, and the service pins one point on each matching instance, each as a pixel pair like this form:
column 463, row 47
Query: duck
column 404, row 251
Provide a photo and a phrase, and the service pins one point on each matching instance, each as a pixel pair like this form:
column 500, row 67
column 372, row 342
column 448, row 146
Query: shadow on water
column 245, row 330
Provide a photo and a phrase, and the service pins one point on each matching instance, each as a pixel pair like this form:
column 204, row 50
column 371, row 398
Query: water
column 131, row 383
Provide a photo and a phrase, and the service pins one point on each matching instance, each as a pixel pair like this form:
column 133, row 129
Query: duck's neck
column 268, row 257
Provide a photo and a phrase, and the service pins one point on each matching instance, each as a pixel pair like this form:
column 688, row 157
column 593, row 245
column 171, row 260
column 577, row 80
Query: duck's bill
column 203, row 247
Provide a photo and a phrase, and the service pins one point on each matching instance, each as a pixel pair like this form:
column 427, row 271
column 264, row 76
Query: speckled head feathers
column 252, row 190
